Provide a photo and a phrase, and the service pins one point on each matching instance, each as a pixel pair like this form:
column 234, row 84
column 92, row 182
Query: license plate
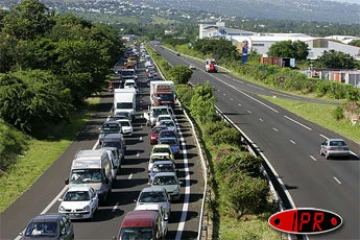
column 339, row 149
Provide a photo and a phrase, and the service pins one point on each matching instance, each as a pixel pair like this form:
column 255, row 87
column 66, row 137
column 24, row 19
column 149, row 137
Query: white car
column 126, row 127
column 170, row 124
column 79, row 203
column 163, row 117
column 130, row 83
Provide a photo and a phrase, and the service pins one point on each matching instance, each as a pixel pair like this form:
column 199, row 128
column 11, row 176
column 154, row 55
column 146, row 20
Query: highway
column 44, row 195
column 291, row 144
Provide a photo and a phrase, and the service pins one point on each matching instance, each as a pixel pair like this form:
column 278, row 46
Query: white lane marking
column 239, row 104
column 323, row 136
column 275, row 129
column 138, row 154
column 313, row 158
column 261, row 119
column 115, row 207
column 337, row 180
column 289, row 96
column 231, row 99
column 62, row 192
column 130, row 176
column 249, row 111
column 140, row 138
column 185, row 207
column 299, row 123
column 224, row 94
column 292, row 142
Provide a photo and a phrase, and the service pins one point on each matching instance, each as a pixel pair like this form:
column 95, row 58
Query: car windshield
column 167, row 123
column 159, row 111
column 161, row 150
column 42, row 229
column 79, row 176
column 164, row 118
column 165, row 96
column 110, row 127
column 127, row 73
column 77, row 196
column 116, row 144
column 167, row 134
column 162, row 168
column 136, row 233
column 164, row 180
column 157, row 129
column 125, row 123
column 130, row 84
column 168, row 141
column 124, row 105
column 151, row 197
column 337, row 143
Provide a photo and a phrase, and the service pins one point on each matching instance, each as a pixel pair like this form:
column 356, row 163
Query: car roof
column 335, row 139
column 78, row 188
column 112, row 136
column 140, row 218
column 148, row 207
column 110, row 148
column 163, row 174
column 45, row 217
column 161, row 146
column 154, row 189
column 123, row 120
column 111, row 122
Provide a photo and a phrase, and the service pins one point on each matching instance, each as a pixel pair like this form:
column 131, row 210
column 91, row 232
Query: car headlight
column 61, row 208
column 87, row 208
column 177, row 190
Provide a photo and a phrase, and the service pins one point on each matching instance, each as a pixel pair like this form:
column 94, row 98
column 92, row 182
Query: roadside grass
column 254, row 228
column 320, row 114
column 40, row 156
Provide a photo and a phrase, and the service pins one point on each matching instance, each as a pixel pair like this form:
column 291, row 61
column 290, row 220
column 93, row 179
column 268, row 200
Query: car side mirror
column 166, row 218
column 134, row 200
column 181, row 182
column 21, row 234
column 66, row 181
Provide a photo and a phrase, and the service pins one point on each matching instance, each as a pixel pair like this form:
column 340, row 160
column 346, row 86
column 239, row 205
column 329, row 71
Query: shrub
column 338, row 113
column 185, row 95
column 242, row 194
column 180, row 74
column 212, row 127
column 226, row 136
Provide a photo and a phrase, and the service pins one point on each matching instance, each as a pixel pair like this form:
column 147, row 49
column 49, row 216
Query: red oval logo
column 305, row 221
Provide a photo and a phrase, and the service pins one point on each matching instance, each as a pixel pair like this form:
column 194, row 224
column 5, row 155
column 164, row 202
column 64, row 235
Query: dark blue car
column 172, row 141
column 49, row 226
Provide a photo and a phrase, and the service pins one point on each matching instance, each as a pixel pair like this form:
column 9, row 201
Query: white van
column 92, row 168
column 125, row 101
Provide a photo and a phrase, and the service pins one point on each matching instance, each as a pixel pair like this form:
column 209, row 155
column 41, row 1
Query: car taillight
column 345, row 148
column 331, row 149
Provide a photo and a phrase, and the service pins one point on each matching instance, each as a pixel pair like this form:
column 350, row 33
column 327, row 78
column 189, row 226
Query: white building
column 261, row 42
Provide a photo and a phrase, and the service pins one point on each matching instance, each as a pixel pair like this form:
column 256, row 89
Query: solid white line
column 261, row 119
column 239, row 104
column 130, row 176
column 115, row 207
column 249, row 111
column 303, row 125
column 185, row 207
column 275, row 129
column 289, row 96
column 313, row 158
column 323, row 136
column 337, row 180
column 292, row 142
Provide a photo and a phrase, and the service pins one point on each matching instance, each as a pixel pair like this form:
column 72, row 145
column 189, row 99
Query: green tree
column 296, row 49
column 180, row 74
column 242, row 194
column 338, row 60
column 31, row 98
column 202, row 104
column 28, row 20
column 355, row 43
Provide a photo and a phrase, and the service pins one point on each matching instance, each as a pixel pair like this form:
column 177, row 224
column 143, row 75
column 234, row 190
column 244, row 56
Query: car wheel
column 91, row 216
column 321, row 153
column 327, row 156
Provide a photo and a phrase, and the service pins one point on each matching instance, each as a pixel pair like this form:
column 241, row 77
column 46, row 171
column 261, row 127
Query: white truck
column 125, row 101
column 153, row 112
column 162, row 93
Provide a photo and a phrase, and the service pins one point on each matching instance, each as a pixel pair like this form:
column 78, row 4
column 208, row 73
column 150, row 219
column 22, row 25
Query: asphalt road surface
column 44, row 195
column 292, row 146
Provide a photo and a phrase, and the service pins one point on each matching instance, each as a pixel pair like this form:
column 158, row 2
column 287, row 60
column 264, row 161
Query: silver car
column 155, row 195
column 334, row 148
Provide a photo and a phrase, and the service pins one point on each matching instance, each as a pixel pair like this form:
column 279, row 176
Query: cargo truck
column 162, row 93
column 210, row 66
column 125, row 101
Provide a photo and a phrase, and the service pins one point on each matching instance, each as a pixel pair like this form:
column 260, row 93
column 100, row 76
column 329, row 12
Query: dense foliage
column 49, row 64
column 337, row 60
column 222, row 50
column 297, row 49
column 180, row 74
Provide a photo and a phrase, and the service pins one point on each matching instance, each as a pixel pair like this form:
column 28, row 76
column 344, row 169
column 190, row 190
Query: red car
column 155, row 133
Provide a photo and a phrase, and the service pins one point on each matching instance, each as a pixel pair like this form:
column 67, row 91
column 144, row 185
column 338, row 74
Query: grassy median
column 321, row 114
column 40, row 156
